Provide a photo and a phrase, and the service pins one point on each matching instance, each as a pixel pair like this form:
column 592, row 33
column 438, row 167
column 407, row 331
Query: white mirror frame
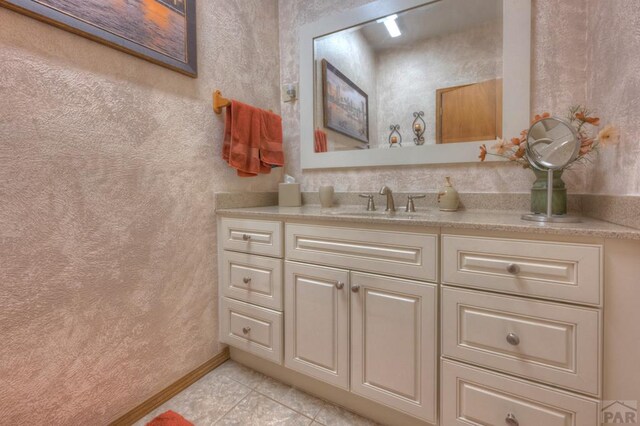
column 516, row 60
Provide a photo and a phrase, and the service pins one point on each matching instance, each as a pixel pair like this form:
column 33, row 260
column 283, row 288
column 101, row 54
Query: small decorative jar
column 448, row 198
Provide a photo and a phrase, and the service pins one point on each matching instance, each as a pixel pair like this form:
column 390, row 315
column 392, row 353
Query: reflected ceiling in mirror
column 426, row 76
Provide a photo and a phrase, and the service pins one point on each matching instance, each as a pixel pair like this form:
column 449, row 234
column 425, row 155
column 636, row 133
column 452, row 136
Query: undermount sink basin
column 376, row 213
column 359, row 213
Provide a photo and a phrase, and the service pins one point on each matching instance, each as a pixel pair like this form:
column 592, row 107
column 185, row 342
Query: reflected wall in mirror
column 438, row 71
column 443, row 59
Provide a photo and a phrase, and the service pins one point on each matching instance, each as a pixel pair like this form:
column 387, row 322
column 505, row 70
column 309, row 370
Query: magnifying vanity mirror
column 400, row 82
column 551, row 145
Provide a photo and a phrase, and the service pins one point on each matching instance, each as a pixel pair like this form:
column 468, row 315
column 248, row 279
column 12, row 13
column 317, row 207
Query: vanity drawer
column 550, row 270
column 251, row 328
column 473, row 396
column 251, row 236
column 253, row 279
column 544, row 341
column 399, row 254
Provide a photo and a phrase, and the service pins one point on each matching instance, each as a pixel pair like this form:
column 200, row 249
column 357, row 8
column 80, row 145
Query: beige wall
column 108, row 165
column 613, row 43
column 558, row 80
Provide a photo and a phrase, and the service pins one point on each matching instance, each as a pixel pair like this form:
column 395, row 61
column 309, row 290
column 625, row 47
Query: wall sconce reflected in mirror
column 289, row 92
column 418, row 127
column 395, row 138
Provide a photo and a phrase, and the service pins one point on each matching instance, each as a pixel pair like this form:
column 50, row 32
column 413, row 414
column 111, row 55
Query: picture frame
column 159, row 31
column 345, row 105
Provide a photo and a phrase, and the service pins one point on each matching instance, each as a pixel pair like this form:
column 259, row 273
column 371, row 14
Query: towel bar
column 219, row 102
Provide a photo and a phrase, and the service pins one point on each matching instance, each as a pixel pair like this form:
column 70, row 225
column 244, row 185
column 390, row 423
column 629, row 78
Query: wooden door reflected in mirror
column 471, row 112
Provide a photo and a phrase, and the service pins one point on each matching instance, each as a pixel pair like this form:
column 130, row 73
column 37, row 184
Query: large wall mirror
column 413, row 82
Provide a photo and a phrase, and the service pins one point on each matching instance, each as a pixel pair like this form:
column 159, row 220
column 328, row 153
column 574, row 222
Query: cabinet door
column 393, row 343
column 317, row 322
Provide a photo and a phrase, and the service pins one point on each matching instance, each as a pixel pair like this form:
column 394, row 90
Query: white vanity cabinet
column 373, row 334
column 354, row 307
column 317, row 322
column 394, row 343
column 250, row 283
column 512, row 334
column 393, row 328
column 539, row 332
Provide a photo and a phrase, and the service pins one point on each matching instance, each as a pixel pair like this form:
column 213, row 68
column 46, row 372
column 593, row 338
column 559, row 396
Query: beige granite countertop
column 488, row 220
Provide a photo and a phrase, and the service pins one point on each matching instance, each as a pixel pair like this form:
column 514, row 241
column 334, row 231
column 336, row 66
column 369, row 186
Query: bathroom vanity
column 463, row 318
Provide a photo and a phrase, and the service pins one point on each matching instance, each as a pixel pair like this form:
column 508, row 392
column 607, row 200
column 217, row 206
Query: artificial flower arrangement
column 580, row 118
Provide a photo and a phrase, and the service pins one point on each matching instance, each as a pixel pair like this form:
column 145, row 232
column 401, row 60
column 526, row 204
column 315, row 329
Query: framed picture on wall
column 345, row 105
column 160, row 31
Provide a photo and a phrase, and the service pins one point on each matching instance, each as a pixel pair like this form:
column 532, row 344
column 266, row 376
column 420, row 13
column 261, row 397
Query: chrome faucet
column 391, row 206
column 371, row 205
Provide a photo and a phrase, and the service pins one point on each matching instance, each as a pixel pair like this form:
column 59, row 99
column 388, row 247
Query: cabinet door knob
column 355, row 288
column 513, row 339
column 246, row 237
column 246, row 280
column 512, row 268
column 339, row 285
column 246, row 330
column 511, row 420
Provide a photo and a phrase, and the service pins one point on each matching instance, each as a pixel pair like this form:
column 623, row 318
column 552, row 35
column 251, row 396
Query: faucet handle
column 371, row 206
column 410, row 205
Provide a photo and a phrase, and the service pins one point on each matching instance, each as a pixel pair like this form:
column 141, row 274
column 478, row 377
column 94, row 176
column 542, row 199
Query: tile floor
column 233, row 394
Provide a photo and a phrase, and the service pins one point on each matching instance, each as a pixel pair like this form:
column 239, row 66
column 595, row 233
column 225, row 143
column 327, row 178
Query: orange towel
column 320, row 141
column 271, row 152
column 170, row 418
column 252, row 139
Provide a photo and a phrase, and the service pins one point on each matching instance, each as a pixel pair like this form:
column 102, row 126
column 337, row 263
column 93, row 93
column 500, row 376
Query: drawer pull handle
column 246, row 237
column 246, row 330
column 355, row 288
column 512, row 268
column 246, row 280
column 511, row 420
column 513, row 339
column 339, row 285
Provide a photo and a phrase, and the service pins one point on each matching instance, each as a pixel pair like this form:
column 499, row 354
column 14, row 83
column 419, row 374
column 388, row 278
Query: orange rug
column 170, row 418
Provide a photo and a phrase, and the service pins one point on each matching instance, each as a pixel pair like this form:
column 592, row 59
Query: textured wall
column 108, row 165
column 558, row 80
column 613, row 43
column 409, row 77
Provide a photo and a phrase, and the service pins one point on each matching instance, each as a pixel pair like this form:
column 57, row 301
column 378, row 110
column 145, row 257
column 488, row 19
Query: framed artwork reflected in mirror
column 346, row 106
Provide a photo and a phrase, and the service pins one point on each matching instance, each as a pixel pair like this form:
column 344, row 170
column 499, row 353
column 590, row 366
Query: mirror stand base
column 538, row 217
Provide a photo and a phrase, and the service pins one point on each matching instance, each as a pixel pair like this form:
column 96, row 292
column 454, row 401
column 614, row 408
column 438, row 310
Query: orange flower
column 586, row 119
column 585, row 150
column 516, row 141
column 519, row 153
column 609, row 135
column 539, row 117
column 483, row 152
column 501, row 147
column 586, row 141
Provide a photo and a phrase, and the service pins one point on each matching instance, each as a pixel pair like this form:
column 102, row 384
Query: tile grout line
column 286, row 406
column 255, row 389
column 235, row 405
